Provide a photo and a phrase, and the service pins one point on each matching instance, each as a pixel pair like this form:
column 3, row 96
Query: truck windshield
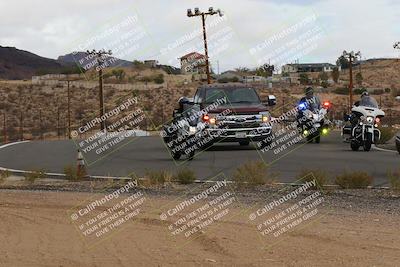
column 233, row 95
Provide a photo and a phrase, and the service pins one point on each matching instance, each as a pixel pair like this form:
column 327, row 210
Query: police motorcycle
column 179, row 135
column 311, row 121
column 362, row 125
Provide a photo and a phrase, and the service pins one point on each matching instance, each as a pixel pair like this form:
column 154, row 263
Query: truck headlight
column 212, row 121
column 265, row 118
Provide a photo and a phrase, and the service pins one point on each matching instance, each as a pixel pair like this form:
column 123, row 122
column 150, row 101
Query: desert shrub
column 158, row 177
column 308, row 175
column 185, row 176
column 159, row 79
column 378, row 92
column 356, row 179
column 72, row 174
column 394, row 179
column 252, row 173
column 4, row 175
column 387, row 133
column 341, row 91
column 33, row 175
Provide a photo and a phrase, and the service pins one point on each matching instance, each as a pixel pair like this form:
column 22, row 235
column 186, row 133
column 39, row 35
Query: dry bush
column 185, row 176
column 253, row 173
column 394, row 179
column 72, row 174
column 157, row 178
column 33, row 175
column 354, row 180
column 308, row 175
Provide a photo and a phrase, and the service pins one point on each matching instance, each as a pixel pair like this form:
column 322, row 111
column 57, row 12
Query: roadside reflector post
column 81, row 169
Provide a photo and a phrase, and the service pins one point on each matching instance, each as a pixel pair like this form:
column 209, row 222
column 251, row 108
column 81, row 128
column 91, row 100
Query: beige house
column 193, row 63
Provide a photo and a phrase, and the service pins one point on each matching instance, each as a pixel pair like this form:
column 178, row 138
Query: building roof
column 193, row 55
column 312, row 65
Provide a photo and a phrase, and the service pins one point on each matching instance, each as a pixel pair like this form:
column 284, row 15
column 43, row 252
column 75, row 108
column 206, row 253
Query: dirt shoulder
column 352, row 228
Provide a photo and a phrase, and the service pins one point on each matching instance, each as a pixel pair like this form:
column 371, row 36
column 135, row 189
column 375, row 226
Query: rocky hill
column 18, row 64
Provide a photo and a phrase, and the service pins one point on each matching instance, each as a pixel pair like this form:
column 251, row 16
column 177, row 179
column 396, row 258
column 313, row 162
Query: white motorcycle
column 365, row 119
column 314, row 124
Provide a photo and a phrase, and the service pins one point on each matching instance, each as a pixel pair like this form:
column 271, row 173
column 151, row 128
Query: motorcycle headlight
column 192, row 130
column 370, row 119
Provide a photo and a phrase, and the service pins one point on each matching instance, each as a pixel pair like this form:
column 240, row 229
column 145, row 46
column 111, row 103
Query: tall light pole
column 351, row 56
column 203, row 15
column 396, row 45
column 100, row 55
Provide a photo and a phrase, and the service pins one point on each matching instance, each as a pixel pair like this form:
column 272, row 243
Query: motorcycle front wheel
column 368, row 142
column 354, row 145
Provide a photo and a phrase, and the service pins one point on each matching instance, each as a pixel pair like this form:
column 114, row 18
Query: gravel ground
column 371, row 200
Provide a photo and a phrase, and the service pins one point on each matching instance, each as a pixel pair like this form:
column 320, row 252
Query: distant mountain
column 18, row 64
column 86, row 62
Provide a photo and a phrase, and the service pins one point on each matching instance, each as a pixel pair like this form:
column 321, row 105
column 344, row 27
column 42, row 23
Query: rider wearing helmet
column 311, row 101
column 364, row 94
column 308, row 102
column 354, row 118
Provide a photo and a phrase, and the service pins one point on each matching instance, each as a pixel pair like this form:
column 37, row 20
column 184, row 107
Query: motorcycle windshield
column 368, row 101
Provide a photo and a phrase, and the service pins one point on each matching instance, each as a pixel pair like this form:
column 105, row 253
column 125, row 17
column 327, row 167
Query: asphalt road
column 149, row 153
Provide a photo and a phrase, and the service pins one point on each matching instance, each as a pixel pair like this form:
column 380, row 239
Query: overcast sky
column 251, row 33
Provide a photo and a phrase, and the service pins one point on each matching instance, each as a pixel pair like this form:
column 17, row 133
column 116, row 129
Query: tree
column 304, row 80
column 335, row 74
column 265, row 70
column 359, row 78
column 343, row 62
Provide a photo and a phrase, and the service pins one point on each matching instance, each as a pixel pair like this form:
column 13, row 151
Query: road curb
column 384, row 150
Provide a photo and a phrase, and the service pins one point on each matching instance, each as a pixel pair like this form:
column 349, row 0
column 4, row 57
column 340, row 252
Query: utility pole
column 100, row 60
column 21, row 118
column 21, row 125
column 4, row 127
column 68, row 104
column 58, row 122
column 69, row 110
column 203, row 15
column 351, row 56
column 40, row 124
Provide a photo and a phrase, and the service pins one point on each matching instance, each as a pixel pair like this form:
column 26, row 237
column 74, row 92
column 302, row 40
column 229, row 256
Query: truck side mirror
column 271, row 101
